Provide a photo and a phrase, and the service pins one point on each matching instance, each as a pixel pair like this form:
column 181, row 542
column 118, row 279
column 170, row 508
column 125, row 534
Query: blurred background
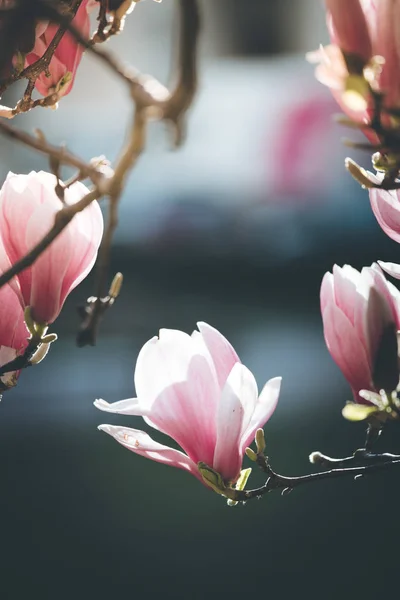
column 236, row 228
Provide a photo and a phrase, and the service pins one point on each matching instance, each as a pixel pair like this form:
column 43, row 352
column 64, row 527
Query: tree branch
column 287, row 484
column 151, row 100
column 61, row 154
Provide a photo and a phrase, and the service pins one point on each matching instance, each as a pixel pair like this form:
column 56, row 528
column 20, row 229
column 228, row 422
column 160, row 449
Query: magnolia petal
column 382, row 306
column 141, row 443
column 346, row 348
column 49, row 270
column 222, row 352
column 327, row 293
column 176, row 385
column 387, row 45
column 236, row 407
column 348, row 27
column 386, row 208
column 266, row 404
column 392, row 269
column 162, row 362
column 346, row 281
column 122, row 407
column 13, row 331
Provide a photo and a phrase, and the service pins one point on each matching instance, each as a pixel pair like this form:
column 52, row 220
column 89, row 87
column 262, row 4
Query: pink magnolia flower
column 386, row 208
column 13, row 333
column 196, row 390
column 348, row 27
column 363, row 32
column 67, row 56
column 28, row 205
column 357, row 311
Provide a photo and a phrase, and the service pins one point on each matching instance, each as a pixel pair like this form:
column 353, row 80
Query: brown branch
column 151, row 100
column 60, row 154
column 99, row 304
column 286, row 484
column 186, row 86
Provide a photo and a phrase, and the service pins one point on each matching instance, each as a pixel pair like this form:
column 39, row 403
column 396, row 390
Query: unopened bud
column 251, row 454
column 315, row 458
column 116, row 285
column 260, row 441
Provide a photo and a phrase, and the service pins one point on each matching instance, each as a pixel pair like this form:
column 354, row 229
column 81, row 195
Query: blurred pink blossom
column 28, row 205
column 67, row 56
column 386, row 208
column 357, row 308
column 196, row 390
column 366, row 35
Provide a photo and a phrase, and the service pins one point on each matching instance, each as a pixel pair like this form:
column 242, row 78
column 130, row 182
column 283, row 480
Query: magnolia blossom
column 365, row 48
column 67, row 56
column 386, row 208
column 13, row 333
column 359, row 310
column 196, row 390
column 28, row 205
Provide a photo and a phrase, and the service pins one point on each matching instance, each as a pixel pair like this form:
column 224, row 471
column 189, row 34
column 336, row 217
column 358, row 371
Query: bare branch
column 60, row 154
column 286, row 484
column 151, row 100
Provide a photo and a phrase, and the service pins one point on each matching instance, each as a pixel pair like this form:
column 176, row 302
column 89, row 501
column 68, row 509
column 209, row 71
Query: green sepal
column 356, row 93
column 358, row 412
column 212, row 478
column 30, row 323
column 240, row 484
column 215, row 482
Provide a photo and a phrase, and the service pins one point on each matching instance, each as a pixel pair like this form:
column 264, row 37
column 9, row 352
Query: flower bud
column 59, row 77
column 28, row 206
column 361, row 314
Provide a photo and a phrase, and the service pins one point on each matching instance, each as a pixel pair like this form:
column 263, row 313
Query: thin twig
column 276, row 481
column 151, row 100
column 128, row 158
column 61, row 154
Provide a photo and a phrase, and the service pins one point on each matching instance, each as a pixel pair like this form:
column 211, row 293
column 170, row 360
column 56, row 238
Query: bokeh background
column 236, row 228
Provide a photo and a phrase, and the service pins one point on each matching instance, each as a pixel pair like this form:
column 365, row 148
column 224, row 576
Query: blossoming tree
column 193, row 388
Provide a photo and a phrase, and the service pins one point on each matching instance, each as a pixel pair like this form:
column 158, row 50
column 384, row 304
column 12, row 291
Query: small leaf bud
column 251, row 454
column 260, row 441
